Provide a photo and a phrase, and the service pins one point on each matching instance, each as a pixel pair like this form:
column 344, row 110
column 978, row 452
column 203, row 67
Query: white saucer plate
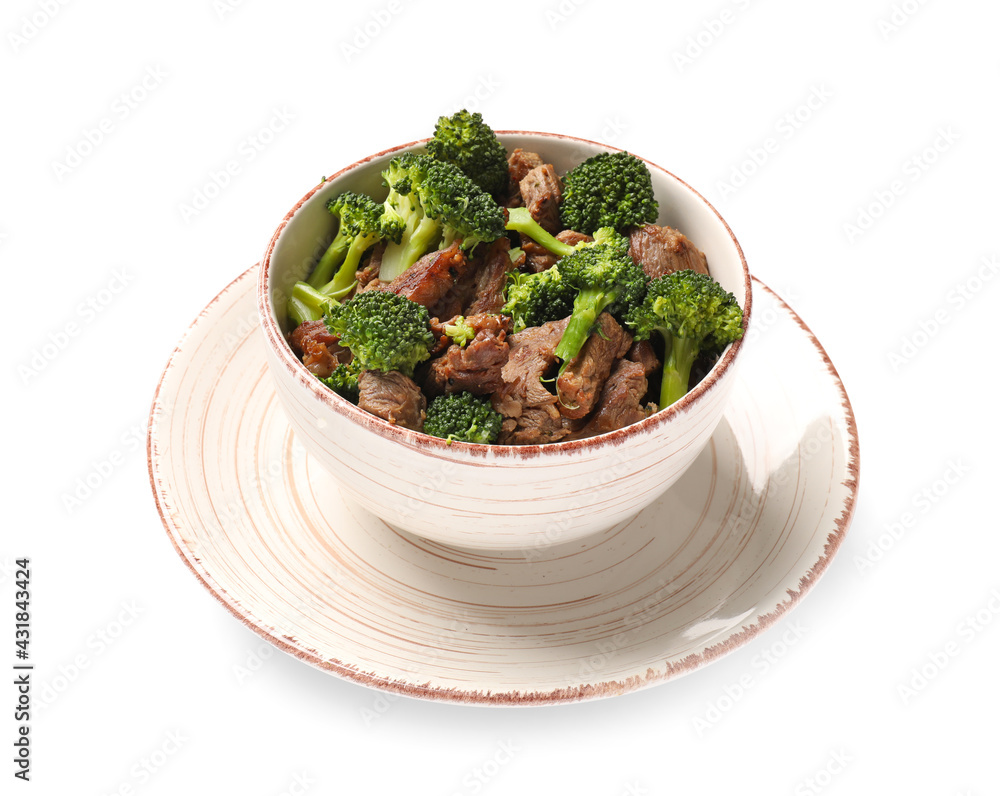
column 720, row 557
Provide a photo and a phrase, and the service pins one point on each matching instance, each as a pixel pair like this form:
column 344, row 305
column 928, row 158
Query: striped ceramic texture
column 721, row 556
column 488, row 496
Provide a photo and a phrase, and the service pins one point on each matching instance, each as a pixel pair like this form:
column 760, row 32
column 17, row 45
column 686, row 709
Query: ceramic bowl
column 517, row 498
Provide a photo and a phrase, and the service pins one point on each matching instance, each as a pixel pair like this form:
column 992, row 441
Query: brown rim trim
column 561, row 695
column 432, row 445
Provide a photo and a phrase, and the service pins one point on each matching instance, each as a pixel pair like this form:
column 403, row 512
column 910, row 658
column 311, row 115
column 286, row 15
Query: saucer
column 717, row 559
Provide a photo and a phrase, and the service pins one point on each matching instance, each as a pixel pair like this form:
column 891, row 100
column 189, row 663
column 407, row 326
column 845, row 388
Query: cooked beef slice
column 537, row 426
column 580, row 384
column 541, row 190
column 539, row 258
column 475, row 367
column 643, row 353
column 321, row 351
column 430, row 278
column 492, row 265
column 529, row 409
column 663, row 250
column 393, row 397
column 518, row 165
column 620, row 403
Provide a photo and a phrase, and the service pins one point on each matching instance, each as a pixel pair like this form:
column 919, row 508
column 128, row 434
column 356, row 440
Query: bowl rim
column 441, row 448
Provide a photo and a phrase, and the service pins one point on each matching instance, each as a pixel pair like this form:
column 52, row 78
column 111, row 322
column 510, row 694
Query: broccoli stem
column 587, row 306
column 332, row 257
column 307, row 303
column 343, row 282
column 519, row 220
column 398, row 257
column 300, row 312
column 677, row 368
column 579, row 328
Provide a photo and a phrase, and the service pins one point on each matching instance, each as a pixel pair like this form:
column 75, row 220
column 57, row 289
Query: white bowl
column 494, row 496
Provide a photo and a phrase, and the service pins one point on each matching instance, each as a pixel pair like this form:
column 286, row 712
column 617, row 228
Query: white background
column 116, row 116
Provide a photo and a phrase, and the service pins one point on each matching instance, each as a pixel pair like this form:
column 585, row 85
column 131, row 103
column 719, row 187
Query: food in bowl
column 513, row 498
column 485, row 297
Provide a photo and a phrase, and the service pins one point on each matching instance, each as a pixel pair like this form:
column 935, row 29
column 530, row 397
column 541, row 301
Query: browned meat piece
column 393, row 397
column 460, row 294
column 430, row 278
column 491, row 277
column 477, row 366
column 539, row 258
column 620, row 403
column 518, row 165
column 643, row 353
column 368, row 275
column 541, row 190
column 492, row 322
column 321, row 351
column 580, row 384
column 529, row 409
column 663, row 250
column 537, row 426
column 442, row 341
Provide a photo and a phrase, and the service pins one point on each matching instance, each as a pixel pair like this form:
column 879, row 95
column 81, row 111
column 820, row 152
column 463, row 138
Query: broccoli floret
column 359, row 228
column 462, row 416
column 460, row 332
column 383, row 330
column 612, row 189
column 534, row 299
column 344, row 380
column 466, row 141
column 436, row 205
column 693, row 313
column 605, row 278
column 308, row 304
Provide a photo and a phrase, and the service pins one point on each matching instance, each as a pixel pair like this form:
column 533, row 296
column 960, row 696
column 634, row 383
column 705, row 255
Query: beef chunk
column 477, row 366
column 643, row 353
column 491, row 278
column 663, row 250
column 393, row 397
column 537, row 426
column 430, row 278
column 518, row 165
column 529, row 409
column 580, row 384
column 368, row 274
column 620, row 402
column 321, row 351
column 540, row 258
column 541, row 190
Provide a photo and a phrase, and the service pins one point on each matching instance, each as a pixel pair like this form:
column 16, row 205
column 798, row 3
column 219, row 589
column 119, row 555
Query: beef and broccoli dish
column 487, row 298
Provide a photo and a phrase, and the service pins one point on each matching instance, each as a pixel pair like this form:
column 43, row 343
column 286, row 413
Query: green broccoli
column 466, row 141
column 612, row 189
column 437, row 205
column 358, row 229
column 693, row 313
column 462, row 416
column 344, row 380
column 519, row 219
column 383, row 330
column 534, row 299
column 307, row 304
column 605, row 278
column 460, row 332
